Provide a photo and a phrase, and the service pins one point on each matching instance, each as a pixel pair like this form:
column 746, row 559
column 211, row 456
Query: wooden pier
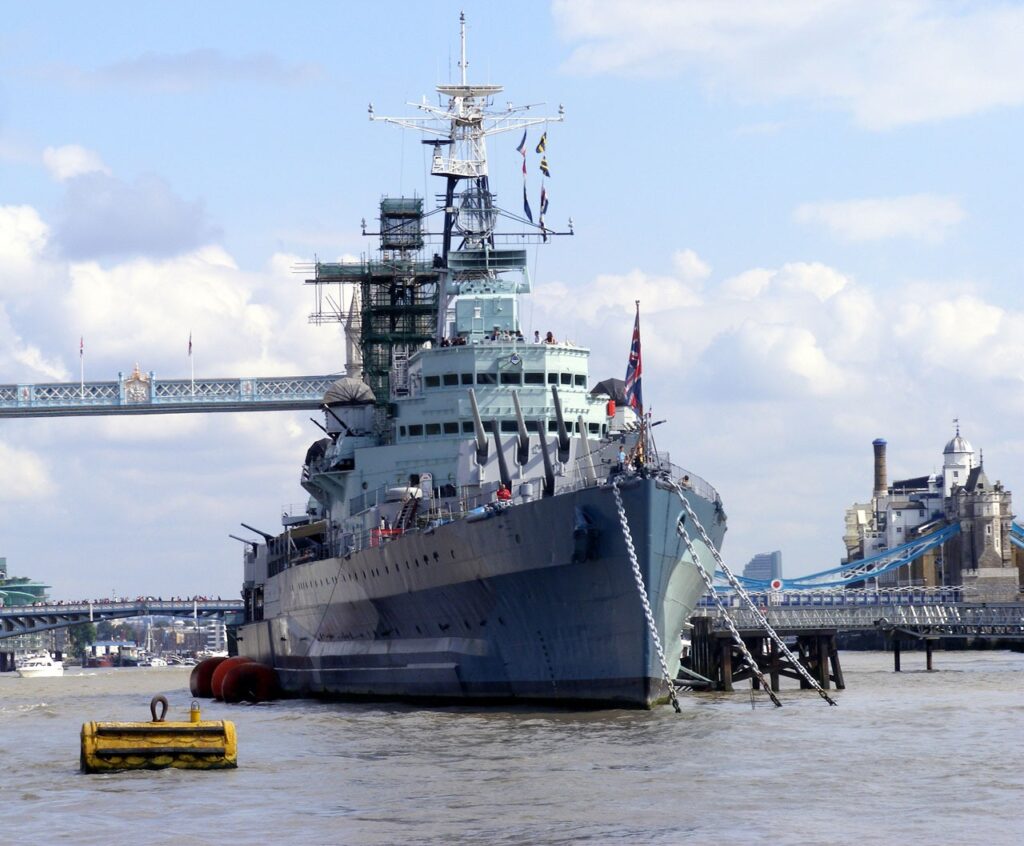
column 715, row 656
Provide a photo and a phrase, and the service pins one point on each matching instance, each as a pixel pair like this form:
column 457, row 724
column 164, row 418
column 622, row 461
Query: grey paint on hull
column 514, row 607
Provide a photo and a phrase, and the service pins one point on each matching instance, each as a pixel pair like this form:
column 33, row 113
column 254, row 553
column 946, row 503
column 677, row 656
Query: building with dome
column 980, row 558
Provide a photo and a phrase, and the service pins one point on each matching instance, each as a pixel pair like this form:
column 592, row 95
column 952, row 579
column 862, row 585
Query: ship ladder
column 651, row 625
column 745, row 598
column 408, row 512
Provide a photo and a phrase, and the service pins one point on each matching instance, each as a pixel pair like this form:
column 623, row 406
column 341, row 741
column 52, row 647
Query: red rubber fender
column 250, row 682
column 218, row 674
column 202, row 675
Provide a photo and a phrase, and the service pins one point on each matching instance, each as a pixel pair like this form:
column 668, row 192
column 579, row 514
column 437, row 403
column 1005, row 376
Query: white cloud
column 814, row 278
column 72, row 160
column 102, row 216
column 25, row 475
column 690, row 266
column 926, row 217
column 23, row 236
column 888, row 63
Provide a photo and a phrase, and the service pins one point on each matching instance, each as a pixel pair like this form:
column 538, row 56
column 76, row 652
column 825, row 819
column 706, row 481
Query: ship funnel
column 881, row 484
column 478, row 427
column 506, row 479
column 563, row 434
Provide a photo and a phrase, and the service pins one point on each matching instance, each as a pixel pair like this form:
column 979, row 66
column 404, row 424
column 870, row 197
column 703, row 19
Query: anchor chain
column 643, row 598
column 736, row 636
column 745, row 597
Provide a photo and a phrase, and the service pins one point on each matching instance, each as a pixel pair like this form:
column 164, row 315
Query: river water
column 929, row 758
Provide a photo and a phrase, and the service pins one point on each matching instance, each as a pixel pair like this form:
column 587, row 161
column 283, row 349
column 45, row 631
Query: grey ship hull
column 516, row 607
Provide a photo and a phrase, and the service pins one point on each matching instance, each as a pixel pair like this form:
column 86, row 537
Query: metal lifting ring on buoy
column 158, row 700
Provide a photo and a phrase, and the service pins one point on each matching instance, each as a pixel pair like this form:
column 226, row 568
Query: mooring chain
column 643, row 598
column 736, row 636
column 745, row 597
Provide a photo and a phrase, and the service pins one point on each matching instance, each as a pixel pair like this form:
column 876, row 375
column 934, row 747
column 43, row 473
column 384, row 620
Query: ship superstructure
column 462, row 540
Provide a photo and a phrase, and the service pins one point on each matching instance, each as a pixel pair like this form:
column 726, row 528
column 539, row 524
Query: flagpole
column 81, row 368
column 192, row 364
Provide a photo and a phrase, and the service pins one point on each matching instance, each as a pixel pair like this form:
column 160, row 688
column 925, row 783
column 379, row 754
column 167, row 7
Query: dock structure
column 715, row 656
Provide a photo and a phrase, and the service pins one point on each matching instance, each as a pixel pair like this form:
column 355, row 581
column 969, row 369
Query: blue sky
column 817, row 204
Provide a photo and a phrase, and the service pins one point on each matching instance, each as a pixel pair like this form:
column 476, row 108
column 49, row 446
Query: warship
column 482, row 524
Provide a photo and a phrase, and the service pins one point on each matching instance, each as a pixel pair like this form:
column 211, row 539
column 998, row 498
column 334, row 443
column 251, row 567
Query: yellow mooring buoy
column 192, row 745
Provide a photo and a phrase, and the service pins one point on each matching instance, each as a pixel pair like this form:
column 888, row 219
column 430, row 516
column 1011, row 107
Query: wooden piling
column 929, row 644
column 896, row 654
column 823, row 677
column 837, row 670
column 773, row 665
column 725, row 650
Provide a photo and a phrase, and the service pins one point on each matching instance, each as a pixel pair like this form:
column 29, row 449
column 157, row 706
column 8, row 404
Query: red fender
column 202, row 676
column 219, row 673
column 250, row 682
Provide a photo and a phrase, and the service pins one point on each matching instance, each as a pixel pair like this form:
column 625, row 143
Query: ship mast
column 458, row 130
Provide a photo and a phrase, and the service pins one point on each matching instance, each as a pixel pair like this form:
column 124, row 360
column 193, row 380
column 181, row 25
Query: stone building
column 980, row 558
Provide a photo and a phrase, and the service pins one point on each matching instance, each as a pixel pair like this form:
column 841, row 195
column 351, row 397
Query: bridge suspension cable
column 860, row 569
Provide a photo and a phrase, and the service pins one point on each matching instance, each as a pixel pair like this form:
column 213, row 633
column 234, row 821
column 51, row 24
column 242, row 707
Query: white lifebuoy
column 776, row 584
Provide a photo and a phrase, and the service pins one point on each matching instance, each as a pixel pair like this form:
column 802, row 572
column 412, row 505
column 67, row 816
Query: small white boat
column 39, row 666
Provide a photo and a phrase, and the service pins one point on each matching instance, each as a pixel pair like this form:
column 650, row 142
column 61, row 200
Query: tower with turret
column 980, row 558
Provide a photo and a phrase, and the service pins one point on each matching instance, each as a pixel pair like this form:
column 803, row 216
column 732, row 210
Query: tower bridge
column 140, row 393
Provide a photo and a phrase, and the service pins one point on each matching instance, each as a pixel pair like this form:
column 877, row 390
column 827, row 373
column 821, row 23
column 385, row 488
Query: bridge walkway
column 40, row 617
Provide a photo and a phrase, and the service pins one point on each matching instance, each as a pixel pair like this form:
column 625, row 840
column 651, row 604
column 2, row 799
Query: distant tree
column 80, row 637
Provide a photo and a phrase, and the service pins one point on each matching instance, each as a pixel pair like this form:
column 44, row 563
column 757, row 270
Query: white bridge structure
column 140, row 393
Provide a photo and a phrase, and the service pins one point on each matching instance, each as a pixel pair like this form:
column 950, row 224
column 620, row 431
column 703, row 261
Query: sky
column 818, row 206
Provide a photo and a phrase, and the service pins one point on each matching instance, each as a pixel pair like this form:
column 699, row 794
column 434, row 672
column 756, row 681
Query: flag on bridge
column 634, row 370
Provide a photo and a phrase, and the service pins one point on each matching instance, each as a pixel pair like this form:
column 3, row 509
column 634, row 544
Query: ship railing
column 604, row 471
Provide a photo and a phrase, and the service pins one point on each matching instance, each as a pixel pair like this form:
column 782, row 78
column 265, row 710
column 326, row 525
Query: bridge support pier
column 6, row 662
column 713, row 654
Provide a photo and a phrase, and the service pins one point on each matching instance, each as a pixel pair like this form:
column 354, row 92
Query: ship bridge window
column 467, row 378
column 451, row 428
column 511, row 379
column 532, row 426
column 552, row 378
column 566, row 378
column 487, row 425
column 487, row 378
column 530, row 378
column 432, row 381
column 552, row 425
column 415, row 431
column 450, row 379
column 401, row 431
column 433, row 428
column 467, row 427
column 594, row 428
column 580, row 380
column 509, row 426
